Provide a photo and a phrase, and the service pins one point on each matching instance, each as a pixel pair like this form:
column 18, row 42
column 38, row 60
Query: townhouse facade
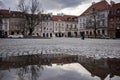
column 71, row 29
column 93, row 22
column 99, row 20
column 114, row 21
column 59, row 25
column 16, row 23
column 65, row 25
column 45, row 27
column 4, row 22
column 12, row 22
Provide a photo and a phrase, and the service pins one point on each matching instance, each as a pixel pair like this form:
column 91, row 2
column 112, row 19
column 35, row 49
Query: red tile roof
column 5, row 13
column 100, row 6
column 9, row 14
column 62, row 18
column 17, row 14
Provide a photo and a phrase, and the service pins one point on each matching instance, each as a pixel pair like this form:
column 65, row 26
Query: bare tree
column 22, row 6
column 32, row 16
column 34, row 6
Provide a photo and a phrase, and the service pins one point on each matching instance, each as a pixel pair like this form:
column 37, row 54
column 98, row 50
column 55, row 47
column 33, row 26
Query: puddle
column 58, row 67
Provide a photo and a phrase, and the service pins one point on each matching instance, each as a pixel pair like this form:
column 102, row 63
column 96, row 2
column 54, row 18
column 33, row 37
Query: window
column 111, row 26
column 48, row 18
column 90, row 33
column 118, row 26
column 75, row 26
column 118, row 11
column 103, row 22
column 71, row 26
column 62, row 28
column 0, row 27
column 102, row 15
column 13, row 15
column 50, row 28
column 111, row 19
column 118, row 19
column 44, row 28
column 87, row 32
column 67, row 26
column 98, row 31
column 103, row 31
column 80, row 20
column 56, row 29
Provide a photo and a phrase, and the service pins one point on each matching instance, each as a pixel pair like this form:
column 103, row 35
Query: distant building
column 17, row 23
column 4, row 22
column 1, row 23
column 13, row 22
column 93, row 21
column 114, row 21
column 71, row 29
column 59, row 25
column 65, row 25
column 45, row 27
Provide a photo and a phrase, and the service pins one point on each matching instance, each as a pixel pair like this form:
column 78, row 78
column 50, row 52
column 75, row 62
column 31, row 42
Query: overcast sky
column 70, row 7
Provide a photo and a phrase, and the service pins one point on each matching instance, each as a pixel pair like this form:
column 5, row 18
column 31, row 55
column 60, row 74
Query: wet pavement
column 89, row 47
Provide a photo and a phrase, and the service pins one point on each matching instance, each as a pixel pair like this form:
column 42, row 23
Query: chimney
column 112, row 3
column 9, row 10
column 93, row 3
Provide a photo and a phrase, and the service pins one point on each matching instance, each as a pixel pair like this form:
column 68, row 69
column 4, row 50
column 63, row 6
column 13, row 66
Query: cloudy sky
column 70, row 7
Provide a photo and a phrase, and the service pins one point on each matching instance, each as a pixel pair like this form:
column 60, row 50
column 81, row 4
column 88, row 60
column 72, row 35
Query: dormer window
column 13, row 15
column 48, row 18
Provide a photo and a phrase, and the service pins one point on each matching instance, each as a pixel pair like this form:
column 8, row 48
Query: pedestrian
column 82, row 35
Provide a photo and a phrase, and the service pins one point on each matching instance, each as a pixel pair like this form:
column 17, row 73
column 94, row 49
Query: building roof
column 5, row 13
column 16, row 14
column 11, row 14
column 63, row 18
column 100, row 6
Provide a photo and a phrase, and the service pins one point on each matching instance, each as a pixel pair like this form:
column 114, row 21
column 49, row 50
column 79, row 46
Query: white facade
column 71, row 29
column 5, row 26
column 59, row 28
column 47, row 29
column 94, row 22
column 44, row 29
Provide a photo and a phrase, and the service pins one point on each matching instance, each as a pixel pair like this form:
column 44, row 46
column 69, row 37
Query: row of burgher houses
column 99, row 20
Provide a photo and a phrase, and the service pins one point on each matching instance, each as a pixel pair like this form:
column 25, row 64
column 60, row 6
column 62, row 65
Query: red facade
column 114, row 21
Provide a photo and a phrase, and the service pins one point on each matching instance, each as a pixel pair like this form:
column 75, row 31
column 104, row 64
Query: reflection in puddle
column 58, row 67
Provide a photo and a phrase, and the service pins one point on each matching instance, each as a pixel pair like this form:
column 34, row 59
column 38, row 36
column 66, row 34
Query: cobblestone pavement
column 90, row 47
